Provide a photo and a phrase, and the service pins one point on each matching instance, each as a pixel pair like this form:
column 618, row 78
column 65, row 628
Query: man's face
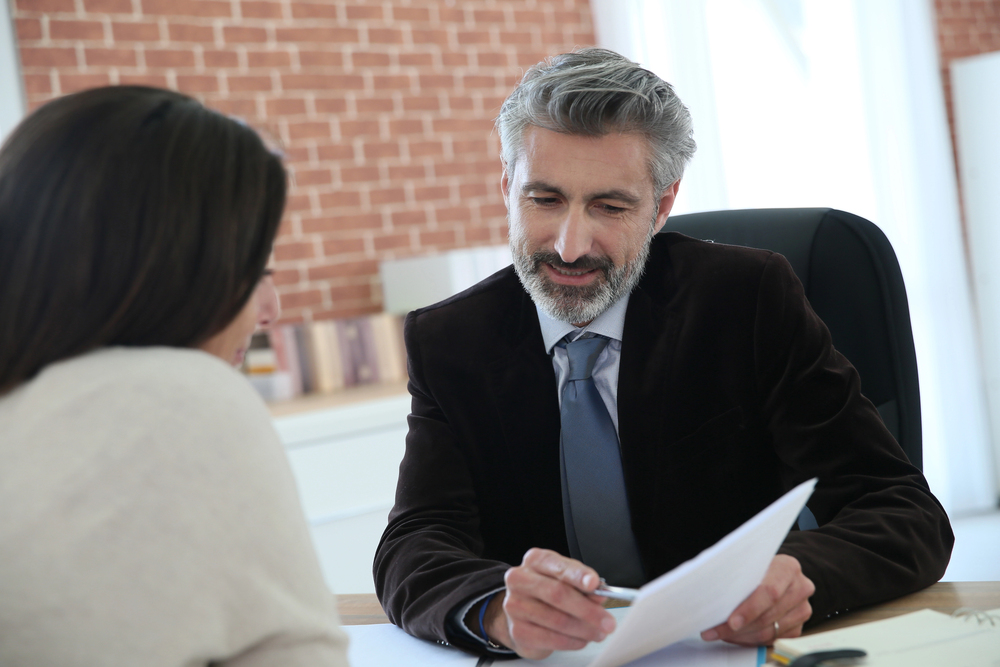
column 582, row 211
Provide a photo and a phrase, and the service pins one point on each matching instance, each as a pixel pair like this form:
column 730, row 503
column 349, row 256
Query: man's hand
column 546, row 607
column 783, row 596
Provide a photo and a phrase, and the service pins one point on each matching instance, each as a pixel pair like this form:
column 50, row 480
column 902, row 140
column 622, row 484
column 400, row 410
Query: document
column 702, row 592
column 382, row 645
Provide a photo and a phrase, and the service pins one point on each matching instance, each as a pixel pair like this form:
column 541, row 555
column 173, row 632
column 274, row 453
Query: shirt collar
column 610, row 323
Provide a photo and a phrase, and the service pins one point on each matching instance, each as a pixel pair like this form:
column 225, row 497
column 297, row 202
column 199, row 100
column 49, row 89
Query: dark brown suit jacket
column 729, row 394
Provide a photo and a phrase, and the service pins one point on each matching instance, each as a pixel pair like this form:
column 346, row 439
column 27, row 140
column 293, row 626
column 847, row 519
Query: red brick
column 157, row 80
column 76, row 30
column 184, row 32
column 347, row 312
column 376, row 150
column 410, row 14
column 363, row 12
column 261, row 10
column 46, row 6
column 206, row 8
column 108, row 6
column 405, row 218
column 393, row 82
column 451, row 15
column 370, row 59
column 462, row 102
column 358, row 128
column 459, row 125
column 436, row 81
column 336, row 151
column 515, row 38
column 340, row 199
column 488, row 16
column 37, row 84
column 276, row 59
column 493, row 210
column 454, row 59
column 375, row 105
column 466, row 146
column 421, row 103
column 286, row 106
column 298, row 203
column 477, row 235
column 478, row 81
column 314, row 10
column 135, row 32
column 318, row 35
column 308, row 130
column 321, row 59
column 286, row 251
column 385, row 36
column 70, row 83
column 407, row 172
column 416, row 59
column 284, row 277
column 339, row 223
column 169, row 58
column 249, row 84
column 244, row 35
column 110, row 57
column 432, row 192
column 366, row 267
column 300, row 298
column 28, row 29
column 242, row 108
column 347, row 292
column 218, row 59
column 358, row 174
column 48, row 57
column 198, row 84
column 333, row 247
column 387, row 196
column 491, row 59
column 460, row 214
column 444, row 237
column 384, row 242
column 331, row 105
column 308, row 177
column 321, row 82
column 439, row 37
column 420, row 149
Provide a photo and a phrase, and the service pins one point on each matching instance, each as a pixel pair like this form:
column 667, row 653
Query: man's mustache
column 585, row 263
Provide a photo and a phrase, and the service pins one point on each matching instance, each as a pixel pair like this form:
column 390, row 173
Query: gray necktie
column 595, row 507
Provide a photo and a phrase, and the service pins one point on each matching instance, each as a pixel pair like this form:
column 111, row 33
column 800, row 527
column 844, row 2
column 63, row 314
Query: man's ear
column 505, row 184
column 666, row 203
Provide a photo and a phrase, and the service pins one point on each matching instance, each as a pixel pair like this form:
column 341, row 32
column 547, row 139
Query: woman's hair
column 128, row 216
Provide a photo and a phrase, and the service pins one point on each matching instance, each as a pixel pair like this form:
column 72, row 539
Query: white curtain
column 11, row 90
column 835, row 103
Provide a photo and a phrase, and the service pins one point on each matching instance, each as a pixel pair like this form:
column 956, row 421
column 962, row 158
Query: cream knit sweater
column 148, row 516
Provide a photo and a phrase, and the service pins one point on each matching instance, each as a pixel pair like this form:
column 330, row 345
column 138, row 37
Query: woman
column 147, row 512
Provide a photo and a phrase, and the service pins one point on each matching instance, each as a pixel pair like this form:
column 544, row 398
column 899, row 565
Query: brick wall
column 383, row 108
column 964, row 28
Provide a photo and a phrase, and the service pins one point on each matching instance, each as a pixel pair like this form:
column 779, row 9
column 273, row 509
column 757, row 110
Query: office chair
column 853, row 282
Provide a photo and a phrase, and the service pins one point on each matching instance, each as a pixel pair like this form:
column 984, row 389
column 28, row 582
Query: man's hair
column 128, row 216
column 593, row 92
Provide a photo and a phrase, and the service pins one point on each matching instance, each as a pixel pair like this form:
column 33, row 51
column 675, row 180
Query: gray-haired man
column 620, row 399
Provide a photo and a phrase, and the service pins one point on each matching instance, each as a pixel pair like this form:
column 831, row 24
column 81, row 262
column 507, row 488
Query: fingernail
column 736, row 622
column 608, row 624
column 710, row 635
column 588, row 579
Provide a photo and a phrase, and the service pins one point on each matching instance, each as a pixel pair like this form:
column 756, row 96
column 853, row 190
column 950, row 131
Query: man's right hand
column 546, row 607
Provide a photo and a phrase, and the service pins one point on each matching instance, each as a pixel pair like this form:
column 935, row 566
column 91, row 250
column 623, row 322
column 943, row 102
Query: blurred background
column 384, row 109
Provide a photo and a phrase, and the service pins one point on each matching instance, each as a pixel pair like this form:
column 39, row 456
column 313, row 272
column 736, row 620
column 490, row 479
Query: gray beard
column 570, row 303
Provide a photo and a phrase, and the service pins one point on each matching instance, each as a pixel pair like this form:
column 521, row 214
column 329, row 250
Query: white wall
column 11, row 89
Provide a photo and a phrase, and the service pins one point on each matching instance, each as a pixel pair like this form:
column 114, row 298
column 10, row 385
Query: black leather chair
column 853, row 281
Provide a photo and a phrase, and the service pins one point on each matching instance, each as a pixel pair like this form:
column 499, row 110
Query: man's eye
column 544, row 201
column 610, row 210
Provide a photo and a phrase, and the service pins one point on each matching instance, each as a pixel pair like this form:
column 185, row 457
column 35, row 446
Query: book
column 925, row 637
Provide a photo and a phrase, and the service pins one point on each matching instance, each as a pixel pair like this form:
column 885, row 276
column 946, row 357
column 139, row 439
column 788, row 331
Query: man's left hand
column 782, row 597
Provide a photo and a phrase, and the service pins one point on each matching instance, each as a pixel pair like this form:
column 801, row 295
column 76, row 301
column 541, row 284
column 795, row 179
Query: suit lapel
column 525, row 388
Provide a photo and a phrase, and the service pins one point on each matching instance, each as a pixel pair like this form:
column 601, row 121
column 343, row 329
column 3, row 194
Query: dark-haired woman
column 147, row 512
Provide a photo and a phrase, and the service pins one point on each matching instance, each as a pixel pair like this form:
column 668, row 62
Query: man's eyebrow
column 623, row 196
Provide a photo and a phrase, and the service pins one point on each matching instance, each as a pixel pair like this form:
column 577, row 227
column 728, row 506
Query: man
column 617, row 402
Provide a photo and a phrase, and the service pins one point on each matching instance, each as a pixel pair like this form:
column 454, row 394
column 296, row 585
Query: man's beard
column 571, row 303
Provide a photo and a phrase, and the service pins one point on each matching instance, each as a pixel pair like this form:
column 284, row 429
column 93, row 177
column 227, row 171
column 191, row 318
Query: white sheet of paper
column 386, row 645
column 702, row 592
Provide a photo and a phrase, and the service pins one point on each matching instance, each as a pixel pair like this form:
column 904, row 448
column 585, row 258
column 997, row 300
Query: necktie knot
column 583, row 353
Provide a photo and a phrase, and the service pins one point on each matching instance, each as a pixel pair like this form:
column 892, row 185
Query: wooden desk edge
column 945, row 596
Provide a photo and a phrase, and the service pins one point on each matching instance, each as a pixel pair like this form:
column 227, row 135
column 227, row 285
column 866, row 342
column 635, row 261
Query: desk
column 944, row 596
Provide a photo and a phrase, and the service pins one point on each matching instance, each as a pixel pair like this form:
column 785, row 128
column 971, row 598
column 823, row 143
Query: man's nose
column 574, row 239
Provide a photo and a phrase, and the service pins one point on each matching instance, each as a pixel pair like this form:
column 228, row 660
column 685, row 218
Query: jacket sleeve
column 881, row 532
column 429, row 561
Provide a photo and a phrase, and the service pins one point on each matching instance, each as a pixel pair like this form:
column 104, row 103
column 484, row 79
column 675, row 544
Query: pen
column 616, row 592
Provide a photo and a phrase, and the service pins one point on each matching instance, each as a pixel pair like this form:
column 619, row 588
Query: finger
column 568, row 570
column 536, row 642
